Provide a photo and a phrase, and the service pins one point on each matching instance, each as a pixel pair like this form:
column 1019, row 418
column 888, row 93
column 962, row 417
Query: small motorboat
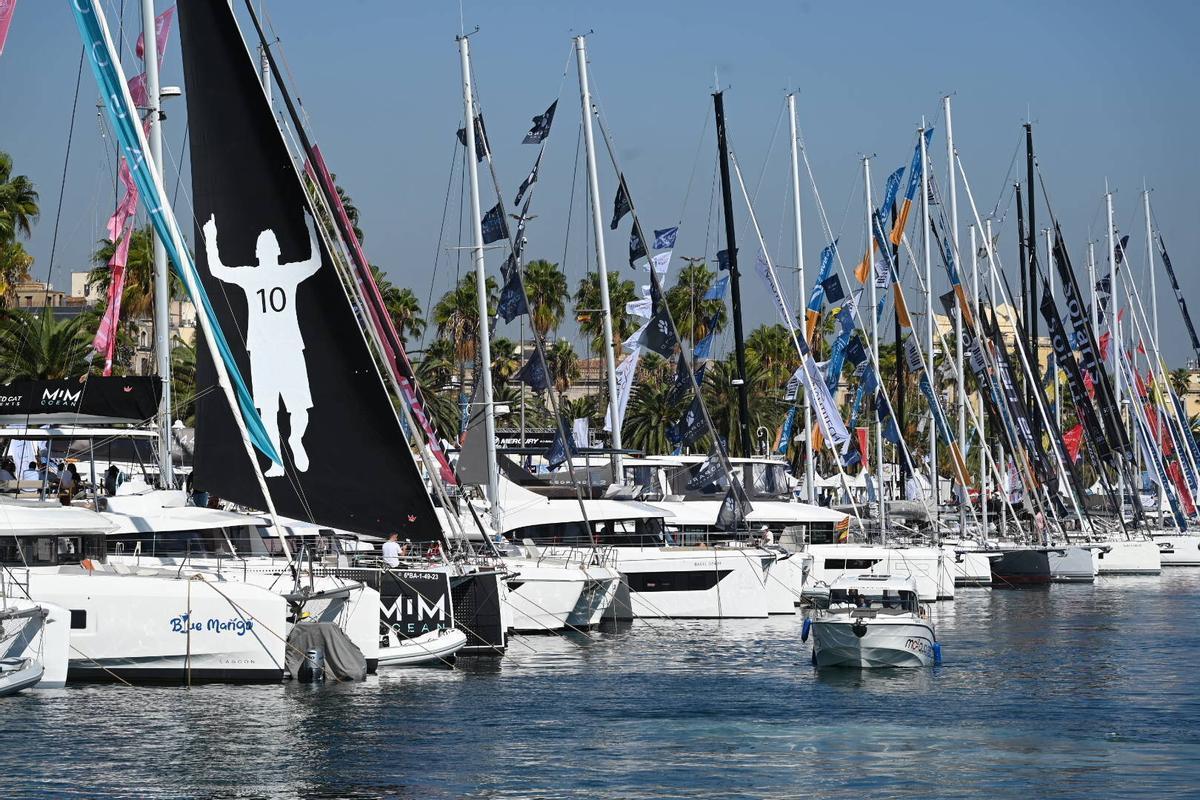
column 436, row 648
column 19, row 673
column 873, row 621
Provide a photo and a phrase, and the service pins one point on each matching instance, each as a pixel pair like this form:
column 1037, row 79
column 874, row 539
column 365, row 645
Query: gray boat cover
column 343, row 660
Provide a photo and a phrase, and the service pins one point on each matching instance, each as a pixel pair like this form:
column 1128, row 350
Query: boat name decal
column 184, row 624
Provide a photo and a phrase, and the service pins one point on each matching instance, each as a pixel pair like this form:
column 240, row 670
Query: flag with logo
column 541, row 126
column 493, row 225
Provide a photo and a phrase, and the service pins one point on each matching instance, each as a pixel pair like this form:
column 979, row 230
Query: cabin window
column 78, row 619
column 682, row 581
column 850, row 563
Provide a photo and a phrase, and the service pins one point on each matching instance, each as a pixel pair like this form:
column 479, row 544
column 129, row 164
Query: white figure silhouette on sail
column 278, row 370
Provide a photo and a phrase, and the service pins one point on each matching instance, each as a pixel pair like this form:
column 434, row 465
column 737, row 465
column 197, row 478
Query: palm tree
column 563, row 364
column 456, row 316
column 36, row 346
column 691, row 312
column 1180, row 380
column 434, row 373
column 183, row 381
column 721, row 398
column 546, row 286
column 506, row 361
column 18, row 202
column 771, row 348
column 648, row 416
column 402, row 305
column 137, row 298
column 591, row 318
column 14, row 268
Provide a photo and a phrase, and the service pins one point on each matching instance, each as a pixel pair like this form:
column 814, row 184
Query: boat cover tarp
column 343, row 659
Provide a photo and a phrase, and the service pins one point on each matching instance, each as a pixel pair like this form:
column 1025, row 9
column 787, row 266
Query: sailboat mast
column 1091, row 264
column 1150, row 266
column 958, row 320
column 734, row 276
column 874, row 340
column 1053, row 298
column 809, row 469
column 585, row 104
column 485, row 347
column 1114, row 326
column 1031, row 323
column 984, row 479
column 1004, row 474
column 933, row 470
column 162, row 283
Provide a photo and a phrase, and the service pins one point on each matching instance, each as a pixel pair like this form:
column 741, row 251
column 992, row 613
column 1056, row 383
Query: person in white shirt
column 391, row 551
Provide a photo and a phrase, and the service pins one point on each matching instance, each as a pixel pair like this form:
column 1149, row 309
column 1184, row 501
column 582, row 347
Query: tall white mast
column 1153, row 315
column 983, row 470
column 933, row 470
column 958, row 321
column 485, row 346
column 610, row 361
column 1091, row 265
column 874, row 341
column 1150, row 267
column 162, row 284
column 809, row 470
column 1114, row 326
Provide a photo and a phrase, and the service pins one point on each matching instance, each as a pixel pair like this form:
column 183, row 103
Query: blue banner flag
column 717, row 290
column 637, row 248
column 889, row 193
column 125, row 121
column 723, row 259
column 665, row 238
column 493, row 225
column 817, row 298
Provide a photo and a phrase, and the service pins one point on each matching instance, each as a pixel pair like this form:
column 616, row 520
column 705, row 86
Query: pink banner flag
column 105, row 341
column 162, row 29
column 7, row 7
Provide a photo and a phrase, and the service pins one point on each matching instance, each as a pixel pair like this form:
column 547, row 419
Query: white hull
column 932, row 567
column 886, row 643
column 18, row 674
column 968, row 567
column 1135, row 557
column 356, row 612
column 542, row 596
column 597, row 596
column 138, row 628
column 1071, row 564
column 436, row 648
column 1178, row 549
column 694, row 582
column 786, row 579
column 44, row 636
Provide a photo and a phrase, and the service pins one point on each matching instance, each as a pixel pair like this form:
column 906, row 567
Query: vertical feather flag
column 914, row 184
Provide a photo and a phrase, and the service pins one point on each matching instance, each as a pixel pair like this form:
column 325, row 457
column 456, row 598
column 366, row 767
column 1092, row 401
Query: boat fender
column 859, row 628
column 805, row 629
column 937, row 654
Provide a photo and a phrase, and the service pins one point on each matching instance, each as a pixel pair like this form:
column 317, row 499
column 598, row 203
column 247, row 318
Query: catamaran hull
column 149, row 629
column 969, row 568
column 542, row 598
column 597, row 595
column 1178, row 550
column 1135, row 557
column 1071, row 565
column 44, row 636
column 1015, row 568
column 694, row 582
column 899, row 644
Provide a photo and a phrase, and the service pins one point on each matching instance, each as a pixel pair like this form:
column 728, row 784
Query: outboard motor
column 312, row 669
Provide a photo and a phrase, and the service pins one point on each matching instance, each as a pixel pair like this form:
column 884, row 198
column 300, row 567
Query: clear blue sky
column 1111, row 88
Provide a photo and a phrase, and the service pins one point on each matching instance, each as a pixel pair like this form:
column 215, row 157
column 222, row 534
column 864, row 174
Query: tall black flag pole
column 1031, row 253
column 734, row 276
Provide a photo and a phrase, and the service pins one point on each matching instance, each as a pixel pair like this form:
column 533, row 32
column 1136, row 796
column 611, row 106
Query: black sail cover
column 281, row 304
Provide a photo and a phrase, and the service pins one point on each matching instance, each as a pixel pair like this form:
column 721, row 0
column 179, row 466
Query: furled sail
column 295, row 334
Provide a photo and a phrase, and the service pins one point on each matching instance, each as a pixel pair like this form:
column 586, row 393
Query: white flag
column 626, row 371
column 832, row 425
column 661, row 262
column 764, row 271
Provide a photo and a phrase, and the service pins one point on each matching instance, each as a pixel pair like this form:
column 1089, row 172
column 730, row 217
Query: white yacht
column 133, row 625
column 1135, row 556
column 933, row 568
column 662, row 580
column 1177, row 549
column 35, row 644
column 873, row 621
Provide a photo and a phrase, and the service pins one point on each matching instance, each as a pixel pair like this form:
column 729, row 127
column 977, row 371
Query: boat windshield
column 762, row 480
column 624, row 532
column 50, row 549
column 871, row 597
column 235, row 540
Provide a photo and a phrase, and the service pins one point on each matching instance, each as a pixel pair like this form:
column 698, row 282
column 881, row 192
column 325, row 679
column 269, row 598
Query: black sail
column 279, row 299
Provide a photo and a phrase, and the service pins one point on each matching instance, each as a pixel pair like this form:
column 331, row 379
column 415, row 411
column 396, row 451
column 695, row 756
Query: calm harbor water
column 1073, row 691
